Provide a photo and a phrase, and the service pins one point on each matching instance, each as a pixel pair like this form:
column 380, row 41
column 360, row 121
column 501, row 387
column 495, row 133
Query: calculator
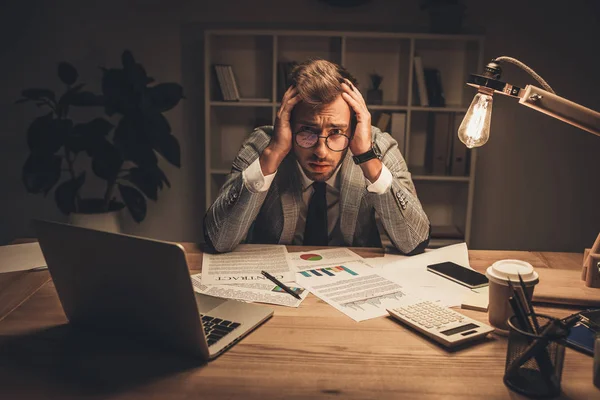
column 442, row 324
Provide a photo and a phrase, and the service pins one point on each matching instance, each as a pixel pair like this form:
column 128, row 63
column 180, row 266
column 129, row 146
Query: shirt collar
column 306, row 181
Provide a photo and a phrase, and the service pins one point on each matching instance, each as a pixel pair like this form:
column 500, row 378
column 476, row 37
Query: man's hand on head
column 281, row 142
column 361, row 141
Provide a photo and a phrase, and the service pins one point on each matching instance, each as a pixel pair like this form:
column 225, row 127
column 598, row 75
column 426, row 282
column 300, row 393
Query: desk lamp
column 474, row 131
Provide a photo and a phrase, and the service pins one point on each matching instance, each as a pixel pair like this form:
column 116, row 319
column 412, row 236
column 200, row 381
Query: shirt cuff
column 383, row 183
column 254, row 180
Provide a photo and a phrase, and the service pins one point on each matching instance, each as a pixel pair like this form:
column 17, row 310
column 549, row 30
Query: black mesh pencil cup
column 534, row 362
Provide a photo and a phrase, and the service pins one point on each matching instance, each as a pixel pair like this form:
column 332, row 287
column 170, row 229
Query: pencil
column 280, row 284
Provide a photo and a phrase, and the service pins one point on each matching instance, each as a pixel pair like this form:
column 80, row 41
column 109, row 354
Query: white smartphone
column 459, row 274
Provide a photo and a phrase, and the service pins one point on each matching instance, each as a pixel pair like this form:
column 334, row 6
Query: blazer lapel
column 291, row 198
column 352, row 190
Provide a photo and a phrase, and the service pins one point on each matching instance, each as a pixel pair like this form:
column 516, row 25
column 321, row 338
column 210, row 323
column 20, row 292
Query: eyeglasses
column 335, row 142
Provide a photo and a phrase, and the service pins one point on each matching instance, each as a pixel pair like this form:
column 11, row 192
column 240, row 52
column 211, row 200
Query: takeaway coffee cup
column 499, row 309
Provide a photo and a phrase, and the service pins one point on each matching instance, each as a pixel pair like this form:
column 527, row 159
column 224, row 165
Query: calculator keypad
column 429, row 315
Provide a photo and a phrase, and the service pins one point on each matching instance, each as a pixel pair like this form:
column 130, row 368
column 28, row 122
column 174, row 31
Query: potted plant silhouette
column 123, row 153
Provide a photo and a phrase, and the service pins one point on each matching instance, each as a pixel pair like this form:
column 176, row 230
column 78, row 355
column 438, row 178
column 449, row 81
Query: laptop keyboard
column 217, row 328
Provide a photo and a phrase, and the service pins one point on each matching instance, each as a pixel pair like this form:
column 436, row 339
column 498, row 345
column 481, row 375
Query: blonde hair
column 319, row 81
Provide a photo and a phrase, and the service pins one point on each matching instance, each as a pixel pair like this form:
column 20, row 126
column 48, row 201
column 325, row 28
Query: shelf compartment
column 423, row 148
column 229, row 128
column 445, row 203
column 250, row 57
column 455, row 60
column 389, row 58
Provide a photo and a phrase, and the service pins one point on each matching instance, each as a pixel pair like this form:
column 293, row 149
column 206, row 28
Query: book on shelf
column 227, row 83
column 437, row 153
column 420, row 81
column 435, row 91
column 398, row 129
column 383, row 121
column 284, row 71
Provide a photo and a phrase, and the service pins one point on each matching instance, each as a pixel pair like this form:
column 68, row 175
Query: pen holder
column 534, row 363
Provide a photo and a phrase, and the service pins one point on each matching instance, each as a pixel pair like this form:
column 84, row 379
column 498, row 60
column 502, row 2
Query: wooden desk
column 310, row 352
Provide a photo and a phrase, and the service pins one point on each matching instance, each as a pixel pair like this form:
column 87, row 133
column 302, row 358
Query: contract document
column 243, row 265
column 354, row 289
column 266, row 292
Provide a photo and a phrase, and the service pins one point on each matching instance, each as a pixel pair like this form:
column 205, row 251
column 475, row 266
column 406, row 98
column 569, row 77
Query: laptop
column 142, row 288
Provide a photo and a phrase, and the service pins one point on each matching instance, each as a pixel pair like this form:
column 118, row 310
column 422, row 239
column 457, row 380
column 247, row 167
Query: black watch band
column 369, row 155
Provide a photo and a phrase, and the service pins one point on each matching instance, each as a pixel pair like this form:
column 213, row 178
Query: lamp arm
column 560, row 108
column 527, row 69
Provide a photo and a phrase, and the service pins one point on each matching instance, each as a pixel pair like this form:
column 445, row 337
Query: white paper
column 413, row 275
column 244, row 264
column 304, row 260
column 21, row 257
column 251, row 292
column 378, row 262
column 354, row 289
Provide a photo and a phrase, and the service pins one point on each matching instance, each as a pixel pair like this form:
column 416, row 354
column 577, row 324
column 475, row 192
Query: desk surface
column 308, row 352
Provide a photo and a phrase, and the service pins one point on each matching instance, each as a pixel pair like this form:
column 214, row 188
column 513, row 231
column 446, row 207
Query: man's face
column 320, row 162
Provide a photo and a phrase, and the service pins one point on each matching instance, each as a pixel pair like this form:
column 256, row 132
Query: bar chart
column 328, row 271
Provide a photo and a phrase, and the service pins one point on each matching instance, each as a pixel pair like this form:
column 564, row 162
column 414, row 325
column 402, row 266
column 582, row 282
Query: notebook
column 140, row 288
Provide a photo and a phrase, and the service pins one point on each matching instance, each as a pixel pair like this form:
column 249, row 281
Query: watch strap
column 368, row 155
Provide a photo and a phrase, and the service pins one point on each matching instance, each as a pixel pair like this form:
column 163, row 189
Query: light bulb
column 474, row 131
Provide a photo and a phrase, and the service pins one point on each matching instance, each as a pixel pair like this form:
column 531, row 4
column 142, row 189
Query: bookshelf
column 254, row 57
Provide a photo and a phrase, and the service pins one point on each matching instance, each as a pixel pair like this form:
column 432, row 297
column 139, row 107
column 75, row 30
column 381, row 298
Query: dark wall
column 533, row 187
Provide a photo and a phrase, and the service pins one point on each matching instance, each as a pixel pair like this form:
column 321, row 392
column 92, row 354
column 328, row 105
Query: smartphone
column 459, row 274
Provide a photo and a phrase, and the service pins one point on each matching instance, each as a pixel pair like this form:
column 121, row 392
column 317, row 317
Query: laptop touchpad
column 206, row 303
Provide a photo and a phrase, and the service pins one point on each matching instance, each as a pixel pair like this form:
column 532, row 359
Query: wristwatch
column 369, row 155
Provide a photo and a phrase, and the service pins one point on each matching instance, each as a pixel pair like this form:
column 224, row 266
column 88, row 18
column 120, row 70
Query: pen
column 281, row 285
column 529, row 305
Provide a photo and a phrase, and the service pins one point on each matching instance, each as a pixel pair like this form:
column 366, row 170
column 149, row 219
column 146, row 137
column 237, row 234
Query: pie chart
column 311, row 257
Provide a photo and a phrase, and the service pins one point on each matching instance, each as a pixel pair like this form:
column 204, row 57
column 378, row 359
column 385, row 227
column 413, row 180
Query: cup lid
column 503, row 270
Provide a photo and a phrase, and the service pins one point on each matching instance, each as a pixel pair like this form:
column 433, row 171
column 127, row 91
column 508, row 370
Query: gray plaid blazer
column 238, row 215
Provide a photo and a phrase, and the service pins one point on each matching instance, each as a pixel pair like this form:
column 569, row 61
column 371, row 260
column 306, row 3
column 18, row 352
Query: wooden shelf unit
column 254, row 57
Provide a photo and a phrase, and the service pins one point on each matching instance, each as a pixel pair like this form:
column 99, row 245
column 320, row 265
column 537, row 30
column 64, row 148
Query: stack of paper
column 237, row 275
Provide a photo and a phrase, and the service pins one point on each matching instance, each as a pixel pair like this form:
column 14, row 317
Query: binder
column 458, row 165
column 438, row 143
column 398, row 129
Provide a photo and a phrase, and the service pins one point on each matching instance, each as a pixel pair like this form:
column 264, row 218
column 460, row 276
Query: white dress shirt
column 255, row 182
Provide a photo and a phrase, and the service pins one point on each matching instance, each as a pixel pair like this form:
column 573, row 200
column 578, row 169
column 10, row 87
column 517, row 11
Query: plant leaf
column 87, row 136
column 153, row 125
column 106, row 161
column 67, row 73
column 86, row 99
column 133, row 144
column 147, row 181
column 168, row 147
column 163, row 178
column 41, row 172
column 47, row 135
column 164, row 96
column 119, row 94
column 135, row 202
column 66, row 193
column 37, row 94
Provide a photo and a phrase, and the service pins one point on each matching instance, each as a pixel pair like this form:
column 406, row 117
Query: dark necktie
column 315, row 232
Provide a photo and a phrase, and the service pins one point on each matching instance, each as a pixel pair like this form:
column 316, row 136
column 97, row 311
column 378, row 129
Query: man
column 296, row 183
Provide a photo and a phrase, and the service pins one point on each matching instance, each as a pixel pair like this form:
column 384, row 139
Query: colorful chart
column 311, row 257
column 329, row 271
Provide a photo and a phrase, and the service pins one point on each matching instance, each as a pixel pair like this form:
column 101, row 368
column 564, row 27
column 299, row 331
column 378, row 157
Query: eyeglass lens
column 336, row 142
